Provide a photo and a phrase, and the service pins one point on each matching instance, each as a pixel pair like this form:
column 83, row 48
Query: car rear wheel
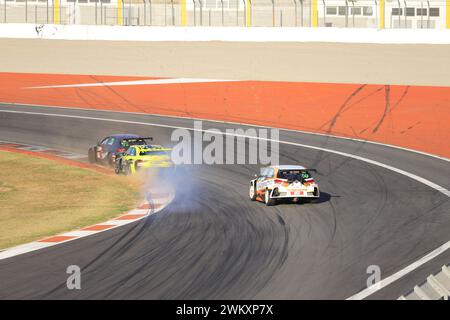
column 118, row 167
column 110, row 159
column 91, row 156
column 317, row 194
column 268, row 201
column 252, row 192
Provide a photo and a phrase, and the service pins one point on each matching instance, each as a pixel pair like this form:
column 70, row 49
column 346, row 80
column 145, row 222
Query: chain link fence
column 432, row 14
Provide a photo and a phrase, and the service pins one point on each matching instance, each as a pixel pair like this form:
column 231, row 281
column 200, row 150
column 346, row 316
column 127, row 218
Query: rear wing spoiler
column 134, row 140
column 137, row 139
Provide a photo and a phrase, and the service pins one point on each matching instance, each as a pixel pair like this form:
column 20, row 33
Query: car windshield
column 294, row 174
column 153, row 153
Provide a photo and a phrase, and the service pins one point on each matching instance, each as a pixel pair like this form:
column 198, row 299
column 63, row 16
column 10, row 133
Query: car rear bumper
column 286, row 193
column 147, row 165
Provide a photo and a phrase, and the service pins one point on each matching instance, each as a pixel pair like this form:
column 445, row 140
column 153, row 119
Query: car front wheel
column 269, row 201
column 118, row 167
column 126, row 169
column 252, row 192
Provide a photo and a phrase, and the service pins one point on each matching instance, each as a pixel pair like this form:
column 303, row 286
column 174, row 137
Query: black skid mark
column 332, row 122
column 387, row 107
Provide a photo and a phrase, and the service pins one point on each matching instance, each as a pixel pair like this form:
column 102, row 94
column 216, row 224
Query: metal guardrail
column 258, row 13
column 436, row 287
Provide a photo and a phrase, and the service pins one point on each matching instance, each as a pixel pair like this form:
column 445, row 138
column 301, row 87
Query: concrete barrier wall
column 228, row 34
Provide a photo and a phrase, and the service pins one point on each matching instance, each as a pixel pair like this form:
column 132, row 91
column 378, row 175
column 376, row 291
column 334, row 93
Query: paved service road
column 409, row 64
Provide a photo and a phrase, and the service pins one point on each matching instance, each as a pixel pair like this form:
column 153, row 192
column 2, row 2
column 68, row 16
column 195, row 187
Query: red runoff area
column 415, row 117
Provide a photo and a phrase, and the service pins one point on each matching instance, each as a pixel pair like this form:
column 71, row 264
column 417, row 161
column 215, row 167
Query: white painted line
column 33, row 148
column 74, row 156
column 28, row 247
column 376, row 163
column 424, row 181
column 118, row 223
column 238, row 123
column 134, row 83
column 136, row 212
column 77, row 233
column 387, row 281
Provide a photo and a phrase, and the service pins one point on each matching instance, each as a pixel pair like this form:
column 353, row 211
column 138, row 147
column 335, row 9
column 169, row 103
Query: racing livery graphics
column 143, row 157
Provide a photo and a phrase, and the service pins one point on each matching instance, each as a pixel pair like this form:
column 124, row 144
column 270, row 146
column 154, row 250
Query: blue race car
column 107, row 150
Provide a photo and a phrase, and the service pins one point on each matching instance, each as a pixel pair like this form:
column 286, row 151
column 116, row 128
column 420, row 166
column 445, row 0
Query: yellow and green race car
column 139, row 157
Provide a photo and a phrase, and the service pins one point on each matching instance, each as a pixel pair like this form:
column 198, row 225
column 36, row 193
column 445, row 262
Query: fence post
column 324, row 14
column 145, row 12
column 130, row 12
column 295, row 13
column 165, row 12
column 119, row 13
column 376, row 12
column 447, row 14
column 382, row 15
column 201, row 12
column 245, row 13
column 237, row 13
column 223, row 23
column 406, row 19
column 150, row 11
column 273, row 13
column 421, row 14
column 57, row 12
column 301, row 11
column 4, row 11
column 173, row 13
column 428, row 14
column 353, row 13
column 183, row 13
column 195, row 13
column 314, row 14
column 101, row 11
column 346, row 13
column 248, row 11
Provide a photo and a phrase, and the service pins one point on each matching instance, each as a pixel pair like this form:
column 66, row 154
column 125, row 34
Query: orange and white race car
column 283, row 182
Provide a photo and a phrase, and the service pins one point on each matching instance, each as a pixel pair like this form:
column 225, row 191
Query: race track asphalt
column 212, row 242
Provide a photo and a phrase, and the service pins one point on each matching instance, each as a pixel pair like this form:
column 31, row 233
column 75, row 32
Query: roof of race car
column 289, row 167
